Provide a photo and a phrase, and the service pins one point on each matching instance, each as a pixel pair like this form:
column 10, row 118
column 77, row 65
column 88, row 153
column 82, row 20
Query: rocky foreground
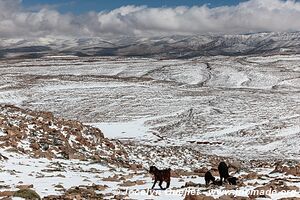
column 41, row 135
column 47, row 157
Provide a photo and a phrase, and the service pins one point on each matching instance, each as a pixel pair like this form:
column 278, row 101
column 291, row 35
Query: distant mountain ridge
column 163, row 47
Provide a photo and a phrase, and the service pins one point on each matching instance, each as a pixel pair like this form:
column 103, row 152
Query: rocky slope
column 43, row 156
column 42, row 135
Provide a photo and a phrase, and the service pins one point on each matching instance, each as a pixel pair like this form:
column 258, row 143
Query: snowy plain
column 239, row 107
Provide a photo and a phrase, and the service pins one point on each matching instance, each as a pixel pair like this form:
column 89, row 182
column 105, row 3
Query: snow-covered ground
column 45, row 174
column 165, row 112
column 243, row 102
column 54, row 176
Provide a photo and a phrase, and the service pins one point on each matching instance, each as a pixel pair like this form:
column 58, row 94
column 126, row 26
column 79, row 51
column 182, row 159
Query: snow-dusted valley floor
column 183, row 114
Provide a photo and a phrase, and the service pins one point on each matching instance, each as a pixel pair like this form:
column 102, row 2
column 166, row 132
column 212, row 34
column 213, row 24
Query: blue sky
column 39, row 18
column 83, row 6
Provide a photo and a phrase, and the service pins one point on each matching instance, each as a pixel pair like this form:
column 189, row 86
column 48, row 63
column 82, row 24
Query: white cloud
column 250, row 16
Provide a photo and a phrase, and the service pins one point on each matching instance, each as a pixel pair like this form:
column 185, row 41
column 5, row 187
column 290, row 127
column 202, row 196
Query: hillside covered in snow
column 86, row 118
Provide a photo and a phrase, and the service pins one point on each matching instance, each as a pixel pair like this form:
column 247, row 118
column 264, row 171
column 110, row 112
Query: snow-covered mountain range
column 162, row 47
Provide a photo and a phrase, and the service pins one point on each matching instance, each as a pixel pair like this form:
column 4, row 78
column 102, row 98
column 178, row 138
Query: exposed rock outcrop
column 41, row 134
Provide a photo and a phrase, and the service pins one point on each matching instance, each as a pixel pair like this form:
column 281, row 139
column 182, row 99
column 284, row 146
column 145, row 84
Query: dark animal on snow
column 223, row 171
column 209, row 177
column 232, row 180
column 161, row 175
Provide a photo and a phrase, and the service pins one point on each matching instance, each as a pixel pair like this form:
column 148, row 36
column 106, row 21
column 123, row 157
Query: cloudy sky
column 81, row 6
column 77, row 18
